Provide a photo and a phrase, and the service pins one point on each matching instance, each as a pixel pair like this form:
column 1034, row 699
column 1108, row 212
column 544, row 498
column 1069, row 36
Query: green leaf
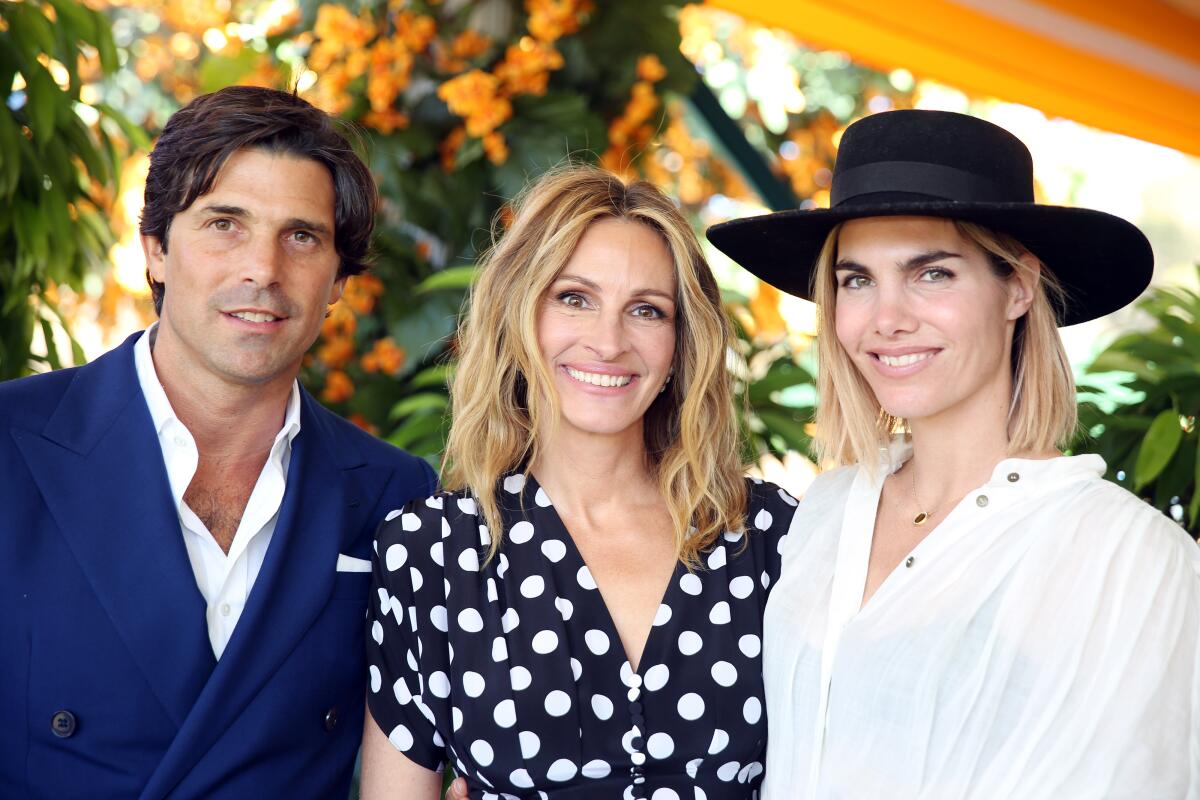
column 1194, row 506
column 450, row 278
column 423, row 402
column 51, row 350
column 432, row 376
column 1158, row 447
column 782, row 423
column 44, row 96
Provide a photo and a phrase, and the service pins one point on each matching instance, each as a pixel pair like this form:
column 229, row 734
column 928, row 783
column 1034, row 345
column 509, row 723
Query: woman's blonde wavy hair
column 851, row 425
column 502, row 396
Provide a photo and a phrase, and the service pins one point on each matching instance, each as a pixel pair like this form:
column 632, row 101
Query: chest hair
column 218, row 495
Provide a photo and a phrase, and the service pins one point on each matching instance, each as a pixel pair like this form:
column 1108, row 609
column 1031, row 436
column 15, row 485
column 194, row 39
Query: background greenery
column 459, row 104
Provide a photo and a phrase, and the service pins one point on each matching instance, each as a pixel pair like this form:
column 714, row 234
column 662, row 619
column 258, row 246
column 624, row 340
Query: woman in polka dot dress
column 580, row 616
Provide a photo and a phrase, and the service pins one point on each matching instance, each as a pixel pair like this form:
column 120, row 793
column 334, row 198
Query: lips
column 247, row 315
column 601, row 379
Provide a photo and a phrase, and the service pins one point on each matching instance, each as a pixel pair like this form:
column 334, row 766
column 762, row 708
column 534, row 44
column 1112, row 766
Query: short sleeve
column 403, row 565
column 769, row 513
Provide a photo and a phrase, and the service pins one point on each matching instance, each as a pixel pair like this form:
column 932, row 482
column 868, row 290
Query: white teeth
column 904, row 361
column 252, row 316
column 596, row 379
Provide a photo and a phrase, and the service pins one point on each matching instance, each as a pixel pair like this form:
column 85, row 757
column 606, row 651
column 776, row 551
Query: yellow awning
column 1128, row 67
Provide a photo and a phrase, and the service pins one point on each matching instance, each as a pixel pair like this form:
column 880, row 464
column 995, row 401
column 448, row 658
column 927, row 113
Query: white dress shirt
column 225, row 580
column 1041, row 642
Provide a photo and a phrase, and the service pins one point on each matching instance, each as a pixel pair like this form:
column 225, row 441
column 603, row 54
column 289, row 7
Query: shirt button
column 180, row 441
column 1013, row 477
column 908, row 562
column 63, row 724
column 225, row 609
column 981, row 501
column 331, row 719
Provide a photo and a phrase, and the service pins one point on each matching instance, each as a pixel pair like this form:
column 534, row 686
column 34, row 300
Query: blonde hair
column 851, row 425
column 502, row 396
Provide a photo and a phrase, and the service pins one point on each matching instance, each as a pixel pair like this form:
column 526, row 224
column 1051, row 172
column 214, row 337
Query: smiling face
column 249, row 270
column 606, row 328
column 924, row 318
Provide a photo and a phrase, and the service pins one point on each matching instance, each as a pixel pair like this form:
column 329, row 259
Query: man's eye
column 304, row 237
column 223, row 224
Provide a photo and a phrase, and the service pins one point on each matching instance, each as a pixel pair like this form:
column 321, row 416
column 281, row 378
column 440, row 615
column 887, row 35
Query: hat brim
column 1102, row 261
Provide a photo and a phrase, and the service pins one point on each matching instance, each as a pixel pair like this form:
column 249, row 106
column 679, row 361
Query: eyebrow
column 294, row 223
column 596, row 287
column 908, row 265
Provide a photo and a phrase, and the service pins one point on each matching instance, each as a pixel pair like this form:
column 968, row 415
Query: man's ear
column 156, row 261
column 335, row 292
column 1023, row 286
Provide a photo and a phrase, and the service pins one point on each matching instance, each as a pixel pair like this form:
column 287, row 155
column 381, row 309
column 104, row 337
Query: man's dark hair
column 201, row 136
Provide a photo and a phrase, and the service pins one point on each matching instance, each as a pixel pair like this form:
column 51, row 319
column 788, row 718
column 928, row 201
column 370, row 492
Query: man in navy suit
column 185, row 534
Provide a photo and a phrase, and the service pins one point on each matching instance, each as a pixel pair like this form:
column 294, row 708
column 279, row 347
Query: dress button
column 908, row 562
column 635, row 707
column 1013, row 477
column 331, row 719
column 637, row 743
column 63, row 724
column 981, row 501
column 634, row 694
column 638, row 758
column 639, row 720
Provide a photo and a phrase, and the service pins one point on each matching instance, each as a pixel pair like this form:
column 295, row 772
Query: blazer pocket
column 352, row 584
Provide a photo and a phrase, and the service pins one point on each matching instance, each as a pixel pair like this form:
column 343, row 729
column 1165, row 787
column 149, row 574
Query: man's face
column 249, row 271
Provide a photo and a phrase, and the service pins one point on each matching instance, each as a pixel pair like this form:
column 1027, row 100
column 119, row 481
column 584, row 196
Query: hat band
column 916, row 177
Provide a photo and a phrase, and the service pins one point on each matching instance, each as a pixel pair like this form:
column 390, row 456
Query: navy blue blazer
column 108, row 684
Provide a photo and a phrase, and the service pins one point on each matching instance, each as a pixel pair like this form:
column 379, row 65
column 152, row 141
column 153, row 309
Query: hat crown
column 910, row 155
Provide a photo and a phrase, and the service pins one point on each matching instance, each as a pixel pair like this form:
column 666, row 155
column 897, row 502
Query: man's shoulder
column 30, row 401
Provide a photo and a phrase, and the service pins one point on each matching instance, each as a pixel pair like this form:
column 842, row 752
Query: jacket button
column 63, row 724
column 331, row 719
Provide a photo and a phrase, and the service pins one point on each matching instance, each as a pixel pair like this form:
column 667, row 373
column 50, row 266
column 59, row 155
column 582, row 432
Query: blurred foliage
column 1151, row 443
column 57, row 172
column 460, row 104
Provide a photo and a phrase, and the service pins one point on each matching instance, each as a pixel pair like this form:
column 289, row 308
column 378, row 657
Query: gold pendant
column 919, row 519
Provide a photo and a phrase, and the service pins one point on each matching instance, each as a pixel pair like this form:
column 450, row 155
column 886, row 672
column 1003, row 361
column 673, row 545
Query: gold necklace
column 922, row 516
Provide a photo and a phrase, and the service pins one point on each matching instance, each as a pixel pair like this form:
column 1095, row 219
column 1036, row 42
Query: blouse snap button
column 908, row 562
column 981, row 501
column 1013, row 477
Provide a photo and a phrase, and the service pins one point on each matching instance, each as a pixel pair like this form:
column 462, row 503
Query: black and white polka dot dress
column 515, row 674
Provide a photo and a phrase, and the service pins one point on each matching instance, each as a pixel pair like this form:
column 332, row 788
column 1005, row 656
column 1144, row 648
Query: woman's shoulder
column 424, row 527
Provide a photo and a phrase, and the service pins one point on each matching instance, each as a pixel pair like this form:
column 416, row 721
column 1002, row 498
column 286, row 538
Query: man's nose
column 262, row 260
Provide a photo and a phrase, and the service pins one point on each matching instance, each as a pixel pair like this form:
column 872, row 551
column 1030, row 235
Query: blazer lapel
column 100, row 470
column 329, row 490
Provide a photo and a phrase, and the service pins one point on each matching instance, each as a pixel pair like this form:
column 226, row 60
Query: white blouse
column 1042, row 642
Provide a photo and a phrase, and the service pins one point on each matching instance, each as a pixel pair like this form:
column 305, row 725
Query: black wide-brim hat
column 942, row 164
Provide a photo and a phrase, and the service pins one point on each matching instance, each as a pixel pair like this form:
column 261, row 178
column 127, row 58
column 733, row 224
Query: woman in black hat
column 963, row 611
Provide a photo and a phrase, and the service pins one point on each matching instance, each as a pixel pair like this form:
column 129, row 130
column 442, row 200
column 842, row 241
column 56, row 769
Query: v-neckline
column 532, row 487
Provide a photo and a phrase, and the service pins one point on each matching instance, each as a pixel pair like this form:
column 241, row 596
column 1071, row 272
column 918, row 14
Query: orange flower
column 765, row 308
column 338, row 387
column 474, row 97
column 495, row 148
column 339, row 323
column 550, row 20
column 363, row 422
column 526, row 67
column 341, row 28
column 336, row 352
column 416, row 31
column 386, row 122
column 360, row 293
column 386, row 356
column 423, row 250
column 449, row 148
column 469, row 43
column 650, row 69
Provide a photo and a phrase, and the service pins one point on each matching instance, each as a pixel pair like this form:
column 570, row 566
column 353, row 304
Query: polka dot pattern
column 513, row 672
